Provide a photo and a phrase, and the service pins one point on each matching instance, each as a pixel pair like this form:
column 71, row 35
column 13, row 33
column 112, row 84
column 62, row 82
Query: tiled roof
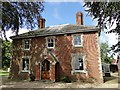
column 57, row 30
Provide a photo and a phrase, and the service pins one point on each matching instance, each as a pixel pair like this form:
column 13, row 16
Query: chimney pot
column 79, row 18
column 41, row 23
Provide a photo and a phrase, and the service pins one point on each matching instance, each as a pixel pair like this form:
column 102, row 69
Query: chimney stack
column 79, row 18
column 41, row 23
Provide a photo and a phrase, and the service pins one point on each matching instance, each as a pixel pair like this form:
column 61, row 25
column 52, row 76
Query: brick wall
column 63, row 51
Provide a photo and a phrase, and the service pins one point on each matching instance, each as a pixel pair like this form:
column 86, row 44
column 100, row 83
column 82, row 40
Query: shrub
column 66, row 79
column 32, row 77
column 88, row 80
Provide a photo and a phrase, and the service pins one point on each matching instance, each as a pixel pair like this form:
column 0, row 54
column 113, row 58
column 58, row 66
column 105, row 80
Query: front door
column 57, row 74
column 45, row 70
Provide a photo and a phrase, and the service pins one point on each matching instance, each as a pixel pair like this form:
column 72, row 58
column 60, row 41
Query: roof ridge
column 60, row 25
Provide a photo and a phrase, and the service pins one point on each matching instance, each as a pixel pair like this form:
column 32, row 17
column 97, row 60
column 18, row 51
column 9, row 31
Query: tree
column 16, row 15
column 104, row 50
column 106, row 14
column 6, row 53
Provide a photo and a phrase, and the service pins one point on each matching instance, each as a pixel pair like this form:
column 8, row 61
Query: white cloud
column 103, row 37
column 55, row 3
column 23, row 30
column 56, row 14
column 112, row 39
column 63, row 0
column 10, row 33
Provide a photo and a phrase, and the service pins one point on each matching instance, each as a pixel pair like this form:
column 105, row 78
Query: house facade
column 54, row 52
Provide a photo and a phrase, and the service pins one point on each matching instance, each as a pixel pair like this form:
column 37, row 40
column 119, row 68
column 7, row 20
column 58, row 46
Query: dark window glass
column 50, row 42
column 77, row 40
column 79, row 64
column 25, row 64
column 26, row 44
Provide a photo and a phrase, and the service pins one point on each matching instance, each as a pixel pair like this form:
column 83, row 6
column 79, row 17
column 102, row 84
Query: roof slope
column 57, row 30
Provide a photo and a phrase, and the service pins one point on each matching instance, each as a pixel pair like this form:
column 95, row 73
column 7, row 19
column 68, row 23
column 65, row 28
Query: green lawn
column 4, row 73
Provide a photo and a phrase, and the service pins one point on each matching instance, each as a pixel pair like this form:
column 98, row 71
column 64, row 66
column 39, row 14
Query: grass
column 4, row 73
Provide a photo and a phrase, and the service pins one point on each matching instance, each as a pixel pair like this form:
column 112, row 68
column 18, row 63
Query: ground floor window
column 78, row 63
column 25, row 64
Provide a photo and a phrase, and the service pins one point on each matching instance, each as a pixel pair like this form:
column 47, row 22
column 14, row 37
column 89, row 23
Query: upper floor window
column 77, row 40
column 25, row 64
column 50, row 42
column 26, row 44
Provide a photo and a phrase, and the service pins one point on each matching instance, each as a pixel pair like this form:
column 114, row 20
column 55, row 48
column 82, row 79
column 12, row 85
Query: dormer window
column 26, row 44
column 50, row 42
column 77, row 40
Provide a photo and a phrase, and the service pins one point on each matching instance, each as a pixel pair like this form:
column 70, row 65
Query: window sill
column 26, row 49
column 50, row 47
column 79, row 71
column 25, row 71
column 77, row 46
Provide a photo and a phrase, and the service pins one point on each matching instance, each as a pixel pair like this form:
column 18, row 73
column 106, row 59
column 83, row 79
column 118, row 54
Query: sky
column 57, row 13
column 64, row 12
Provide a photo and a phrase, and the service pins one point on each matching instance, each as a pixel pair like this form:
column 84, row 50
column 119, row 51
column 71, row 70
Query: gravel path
column 113, row 83
column 38, row 84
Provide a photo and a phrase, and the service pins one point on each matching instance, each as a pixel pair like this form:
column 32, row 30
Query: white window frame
column 24, row 44
column 51, row 37
column 26, row 57
column 74, row 56
column 81, row 37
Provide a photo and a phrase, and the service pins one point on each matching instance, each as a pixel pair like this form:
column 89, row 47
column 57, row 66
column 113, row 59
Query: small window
column 26, row 44
column 25, row 64
column 50, row 42
column 77, row 40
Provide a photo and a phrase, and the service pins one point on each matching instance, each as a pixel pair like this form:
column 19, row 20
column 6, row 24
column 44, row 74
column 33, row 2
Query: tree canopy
column 6, row 53
column 105, row 51
column 106, row 14
column 19, row 14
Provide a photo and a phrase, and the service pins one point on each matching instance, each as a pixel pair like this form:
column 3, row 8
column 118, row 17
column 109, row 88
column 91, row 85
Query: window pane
column 50, row 42
column 79, row 63
column 77, row 40
column 26, row 44
column 25, row 64
column 76, row 65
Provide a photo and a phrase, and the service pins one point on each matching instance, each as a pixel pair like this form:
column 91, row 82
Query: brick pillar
column 37, row 72
column 52, row 72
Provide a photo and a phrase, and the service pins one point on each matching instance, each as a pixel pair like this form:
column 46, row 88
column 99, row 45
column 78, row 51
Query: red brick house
column 58, row 51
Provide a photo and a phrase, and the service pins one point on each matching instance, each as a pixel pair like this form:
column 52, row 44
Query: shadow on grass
column 109, row 78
